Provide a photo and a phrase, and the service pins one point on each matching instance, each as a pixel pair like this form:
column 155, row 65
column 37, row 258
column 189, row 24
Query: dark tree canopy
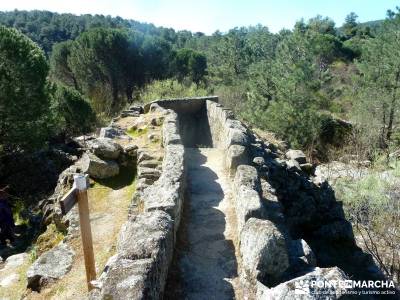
column 24, row 102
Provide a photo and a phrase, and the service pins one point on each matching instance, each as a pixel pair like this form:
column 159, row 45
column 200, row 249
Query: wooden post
column 86, row 232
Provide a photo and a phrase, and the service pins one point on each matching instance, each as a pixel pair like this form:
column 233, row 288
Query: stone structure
column 145, row 246
column 286, row 224
column 289, row 228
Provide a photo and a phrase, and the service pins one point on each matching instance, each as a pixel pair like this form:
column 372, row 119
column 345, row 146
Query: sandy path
column 206, row 266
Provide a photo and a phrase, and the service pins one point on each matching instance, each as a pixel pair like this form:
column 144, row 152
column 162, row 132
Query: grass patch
column 16, row 290
column 47, row 240
column 125, row 177
column 372, row 204
column 18, row 207
column 109, row 202
column 137, row 132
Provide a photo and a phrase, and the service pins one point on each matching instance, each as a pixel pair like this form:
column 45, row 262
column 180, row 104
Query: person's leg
column 9, row 234
column 3, row 240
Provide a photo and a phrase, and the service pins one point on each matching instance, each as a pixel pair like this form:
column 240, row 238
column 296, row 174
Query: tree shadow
column 203, row 258
column 125, row 177
column 311, row 212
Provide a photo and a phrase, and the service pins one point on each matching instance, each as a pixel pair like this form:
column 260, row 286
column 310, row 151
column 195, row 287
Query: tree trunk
column 392, row 108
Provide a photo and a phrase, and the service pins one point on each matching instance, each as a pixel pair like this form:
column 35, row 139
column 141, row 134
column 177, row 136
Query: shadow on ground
column 204, row 259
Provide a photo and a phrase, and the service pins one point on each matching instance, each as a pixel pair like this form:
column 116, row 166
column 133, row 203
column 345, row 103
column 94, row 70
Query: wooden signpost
column 78, row 194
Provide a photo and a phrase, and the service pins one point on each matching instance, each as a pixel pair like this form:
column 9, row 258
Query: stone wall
column 182, row 105
column 229, row 134
column 270, row 255
column 146, row 241
column 287, row 225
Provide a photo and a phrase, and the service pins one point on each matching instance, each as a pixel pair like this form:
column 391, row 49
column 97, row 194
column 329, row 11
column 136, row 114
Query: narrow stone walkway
column 206, row 265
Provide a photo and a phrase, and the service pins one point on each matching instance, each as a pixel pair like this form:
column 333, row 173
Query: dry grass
column 108, row 210
column 109, row 201
column 48, row 240
column 270, row 138
column 141, row 135
column 17, row 289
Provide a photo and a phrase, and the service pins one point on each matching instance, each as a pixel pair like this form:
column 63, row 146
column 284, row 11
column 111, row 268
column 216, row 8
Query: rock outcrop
column 318, row 284
column 144, row 252
column 246, row 195
column 287, row 224
column 10, row 272
column 99, row 168
column 105, row 148
column 263, row 251
column 50, row 266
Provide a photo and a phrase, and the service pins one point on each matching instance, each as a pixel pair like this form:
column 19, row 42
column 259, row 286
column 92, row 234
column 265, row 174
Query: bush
column 171, row 89
column 24, row 93
column 372, row 204
column 74, row 114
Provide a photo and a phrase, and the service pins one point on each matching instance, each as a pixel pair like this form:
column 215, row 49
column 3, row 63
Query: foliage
column 163, row 89
column 372, row 204
column 189, row 63
column 48, row 240
column 98, row 59
column 73, row 112
column 377, row 87
column 60, row 71
column 48, row 28
column 24, row 101
column 287, row 82
column 349, row 28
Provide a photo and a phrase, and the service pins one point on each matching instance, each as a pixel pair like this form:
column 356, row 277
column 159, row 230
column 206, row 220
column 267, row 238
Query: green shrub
column 372, row 204
column 74, row 114
column 24, row 93
column 171, row 89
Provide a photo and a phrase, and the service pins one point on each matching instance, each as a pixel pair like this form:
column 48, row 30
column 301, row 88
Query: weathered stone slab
column 105, row 148
column 300, row 288
column 50, row 266
column 147, row 235
column 297, row 155
column 98, row 168
column 236, row 155
column 263, row 252
column 246, row 195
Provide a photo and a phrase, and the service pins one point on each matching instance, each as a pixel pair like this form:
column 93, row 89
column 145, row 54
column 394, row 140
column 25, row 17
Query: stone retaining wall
column 182, row 105
column 268, row 254
column 145, row 245
column 272, row 199
column 229, row 134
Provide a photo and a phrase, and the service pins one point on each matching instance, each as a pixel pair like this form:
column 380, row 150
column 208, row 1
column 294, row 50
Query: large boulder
column 98, row 168
column 140, row 269
column 297, row 155
column 126, row 279
column 263, row 251
column 300, row 248
column 50, row 266
column 237, row 133
column 147, row 235
column 236, row 155
column 10, row 270
column 247, row 176
column 106, row 148
column 246, row 195
column 109, row 132
column 312, row 286
column 301, row 258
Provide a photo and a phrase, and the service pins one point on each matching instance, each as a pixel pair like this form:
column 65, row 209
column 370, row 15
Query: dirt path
column 206, row 265
column 108, row 203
